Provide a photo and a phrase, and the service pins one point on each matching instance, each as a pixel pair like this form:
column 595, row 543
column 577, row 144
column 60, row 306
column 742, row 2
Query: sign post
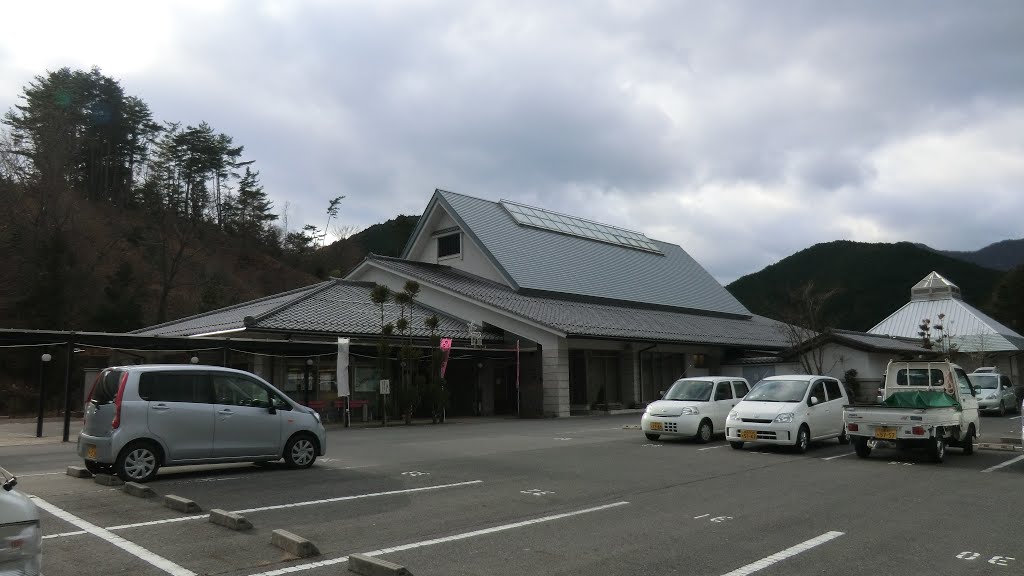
column 385, row 390
column 342, row 377
column 517, row 380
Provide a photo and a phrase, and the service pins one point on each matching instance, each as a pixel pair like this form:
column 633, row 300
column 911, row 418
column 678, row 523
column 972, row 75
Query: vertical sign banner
column 342, row 374
column 446, row 348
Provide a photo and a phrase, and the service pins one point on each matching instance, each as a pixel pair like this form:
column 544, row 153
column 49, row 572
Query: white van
column 139, row 418
column 790, row 411
column 21, row 539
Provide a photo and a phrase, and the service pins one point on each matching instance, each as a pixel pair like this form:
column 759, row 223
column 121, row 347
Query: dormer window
column 449, row 245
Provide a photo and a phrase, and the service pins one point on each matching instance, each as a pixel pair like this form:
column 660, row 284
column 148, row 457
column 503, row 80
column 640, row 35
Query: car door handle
column 160, row 407
column 226, row 412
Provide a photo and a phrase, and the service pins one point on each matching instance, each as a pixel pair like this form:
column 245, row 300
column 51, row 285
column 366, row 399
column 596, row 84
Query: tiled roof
column 578, row 317
column 969, row 328
column 333, row 307
column 546, row 261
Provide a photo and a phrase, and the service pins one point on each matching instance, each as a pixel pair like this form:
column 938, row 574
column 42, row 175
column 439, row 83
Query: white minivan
column 693, row 407
column 139, row 418
column 789, row 410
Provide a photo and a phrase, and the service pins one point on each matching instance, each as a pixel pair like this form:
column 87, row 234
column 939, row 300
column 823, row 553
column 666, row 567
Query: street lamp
column 42, row 394
column 305, row 393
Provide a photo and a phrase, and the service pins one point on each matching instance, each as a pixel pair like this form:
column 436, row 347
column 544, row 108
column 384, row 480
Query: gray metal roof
column 333, row 307
column 580, row 318
column 879, row 342
column 969, row 328
column 547, row 261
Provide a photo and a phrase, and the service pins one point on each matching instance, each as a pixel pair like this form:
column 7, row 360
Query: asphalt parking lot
column 585, row 495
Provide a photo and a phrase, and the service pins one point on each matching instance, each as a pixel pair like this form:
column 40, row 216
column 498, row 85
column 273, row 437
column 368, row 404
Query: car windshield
column 778, row 391
column 984, row 381
column 693, row 390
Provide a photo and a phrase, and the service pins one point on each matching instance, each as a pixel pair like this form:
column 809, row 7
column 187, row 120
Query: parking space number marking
column 415, row 473
column 536, row 492
column 995, row 560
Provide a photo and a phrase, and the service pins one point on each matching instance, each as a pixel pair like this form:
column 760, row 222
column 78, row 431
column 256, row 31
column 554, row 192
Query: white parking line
column 840, row 456
column 129, row 547
column 276, row 507
column 1015, row 417
column 1007, row 463
column 453, row 538
column 39, row 474
column 63, row 534
column 788, row 552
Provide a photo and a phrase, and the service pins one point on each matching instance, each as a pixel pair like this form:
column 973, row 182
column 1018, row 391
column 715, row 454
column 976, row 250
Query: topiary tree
column 380, row 295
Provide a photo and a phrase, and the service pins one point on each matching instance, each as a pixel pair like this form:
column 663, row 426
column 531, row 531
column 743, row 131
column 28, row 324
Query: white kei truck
column 929, row 405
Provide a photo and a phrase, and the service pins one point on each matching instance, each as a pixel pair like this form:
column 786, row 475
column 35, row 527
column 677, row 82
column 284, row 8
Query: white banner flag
column 342, row 374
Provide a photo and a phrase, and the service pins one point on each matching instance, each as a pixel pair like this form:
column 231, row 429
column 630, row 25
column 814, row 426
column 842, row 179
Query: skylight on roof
column 564, row 224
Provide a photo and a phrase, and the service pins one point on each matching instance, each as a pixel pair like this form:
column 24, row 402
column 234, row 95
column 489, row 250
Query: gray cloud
column 742, row 131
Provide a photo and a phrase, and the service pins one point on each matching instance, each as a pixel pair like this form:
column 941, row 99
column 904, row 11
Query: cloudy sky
column 743, row 131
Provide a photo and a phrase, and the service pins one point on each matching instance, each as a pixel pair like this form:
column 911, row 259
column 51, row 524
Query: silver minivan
column 139, row 418
column 21, row 539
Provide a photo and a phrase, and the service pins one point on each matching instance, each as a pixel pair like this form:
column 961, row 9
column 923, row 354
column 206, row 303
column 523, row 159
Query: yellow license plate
column 748, row 434
column 656, row 426
column 885, row 433
column 90, row 452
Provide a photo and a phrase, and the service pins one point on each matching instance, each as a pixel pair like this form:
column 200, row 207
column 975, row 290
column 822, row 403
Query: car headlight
column 689, row 410
column 784, row 418
column 316, row 415
column 734, row 415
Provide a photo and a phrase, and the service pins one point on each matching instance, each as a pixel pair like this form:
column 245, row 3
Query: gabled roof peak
column 934, row 287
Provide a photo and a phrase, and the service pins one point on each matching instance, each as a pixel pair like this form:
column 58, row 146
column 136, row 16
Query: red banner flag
column 446, row 348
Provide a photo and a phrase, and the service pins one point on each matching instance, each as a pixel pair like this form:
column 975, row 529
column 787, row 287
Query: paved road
column 574, row 496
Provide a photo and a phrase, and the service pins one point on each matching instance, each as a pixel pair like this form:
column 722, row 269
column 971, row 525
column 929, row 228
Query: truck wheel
column 938, row 450
column 843, row 438
column 968, row 443
column 652, row 437
column 803, row 440
column 860, row 444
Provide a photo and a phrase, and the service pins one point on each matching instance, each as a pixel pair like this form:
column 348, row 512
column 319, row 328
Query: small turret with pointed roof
column 934, row 287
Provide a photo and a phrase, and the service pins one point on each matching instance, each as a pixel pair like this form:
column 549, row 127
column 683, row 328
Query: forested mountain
column 870, row 281
column 114, row 220
column 1004, row 255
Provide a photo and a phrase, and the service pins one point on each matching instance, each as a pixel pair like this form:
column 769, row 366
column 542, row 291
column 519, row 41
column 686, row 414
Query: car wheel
column 300, row 452
column 704, row 431
column 968, row 443
column 938, row 450
column 1002, row 409
column 137, row 462
column 843, row 438
column 860, row 445
column 803, row 440
column 736, row 445
column 95, row 468
column 652, row 437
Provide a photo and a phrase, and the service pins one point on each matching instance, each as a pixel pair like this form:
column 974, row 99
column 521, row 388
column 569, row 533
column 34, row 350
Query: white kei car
column 791, row 411
column 694, row 407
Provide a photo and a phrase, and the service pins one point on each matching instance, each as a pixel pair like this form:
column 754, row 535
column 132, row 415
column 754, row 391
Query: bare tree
column 343, row 231
column 804, row 318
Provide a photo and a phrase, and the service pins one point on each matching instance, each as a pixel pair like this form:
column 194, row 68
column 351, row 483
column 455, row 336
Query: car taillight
column 116, row 423
column 917, row 431
column 852, row 427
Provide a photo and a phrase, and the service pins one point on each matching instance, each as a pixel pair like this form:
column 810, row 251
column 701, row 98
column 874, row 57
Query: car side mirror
column 272, row 409
column 661, row 394
column 814, row 400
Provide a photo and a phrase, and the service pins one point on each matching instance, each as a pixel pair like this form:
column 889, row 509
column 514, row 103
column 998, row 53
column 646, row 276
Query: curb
column 997, row 447
column 292, row 544
column 78, row 472
column 107, row 480
column 181, row 504
column 229, row 519
column 138, row 490
column 370, row 566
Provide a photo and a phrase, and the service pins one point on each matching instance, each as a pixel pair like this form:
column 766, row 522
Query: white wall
column 472, row 259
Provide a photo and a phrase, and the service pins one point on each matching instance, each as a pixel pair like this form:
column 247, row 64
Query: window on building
column 699, row 361
column 450, row 245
